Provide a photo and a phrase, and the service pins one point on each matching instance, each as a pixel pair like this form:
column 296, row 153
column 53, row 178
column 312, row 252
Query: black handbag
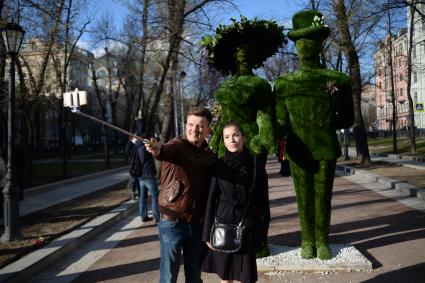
column 228, row 238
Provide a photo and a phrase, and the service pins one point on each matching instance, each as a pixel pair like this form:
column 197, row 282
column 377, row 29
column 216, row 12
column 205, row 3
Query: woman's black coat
column 231, row 189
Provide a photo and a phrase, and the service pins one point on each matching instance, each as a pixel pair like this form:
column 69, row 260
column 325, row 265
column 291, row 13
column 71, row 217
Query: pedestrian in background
column 285, row 169
column 147, row 183
column 185, row 177
column 3, row 173
column 134, row 179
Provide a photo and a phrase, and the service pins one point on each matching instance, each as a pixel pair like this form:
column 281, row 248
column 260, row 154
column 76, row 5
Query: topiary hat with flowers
column 260, row 38
column 308, row 24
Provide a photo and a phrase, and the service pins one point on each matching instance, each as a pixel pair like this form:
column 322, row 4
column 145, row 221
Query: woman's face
column 233, row 139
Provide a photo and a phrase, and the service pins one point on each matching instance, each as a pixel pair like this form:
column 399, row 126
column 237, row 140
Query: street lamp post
column 12, row 37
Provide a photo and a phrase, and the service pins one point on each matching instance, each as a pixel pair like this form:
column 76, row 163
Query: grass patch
column 385, row 145
column 45, row 173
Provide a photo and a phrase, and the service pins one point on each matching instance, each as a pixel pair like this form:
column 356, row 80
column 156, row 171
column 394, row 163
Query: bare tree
column 392, row 89
column 412, row 133
column 102, row 106
column 177, row 13
column 356, row 81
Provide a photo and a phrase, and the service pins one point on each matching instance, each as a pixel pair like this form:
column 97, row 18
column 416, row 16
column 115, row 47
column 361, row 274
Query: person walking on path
column 134, row 179
column 147, row 183
column 3, row 173
column 185, row 177
column 236, row 195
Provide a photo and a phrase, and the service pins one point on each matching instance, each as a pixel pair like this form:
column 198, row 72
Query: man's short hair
column 201, row 112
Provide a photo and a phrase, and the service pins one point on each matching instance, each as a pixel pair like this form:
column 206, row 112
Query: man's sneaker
column 133, row 195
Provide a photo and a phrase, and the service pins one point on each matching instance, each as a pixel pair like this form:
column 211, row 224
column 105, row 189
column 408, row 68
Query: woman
column 233, row 191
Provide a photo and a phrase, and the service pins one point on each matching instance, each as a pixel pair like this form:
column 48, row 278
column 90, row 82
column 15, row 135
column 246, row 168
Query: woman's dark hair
column 234, row 124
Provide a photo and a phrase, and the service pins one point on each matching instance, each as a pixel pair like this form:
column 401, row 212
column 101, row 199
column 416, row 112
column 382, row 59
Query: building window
column 379, row 72
column 423, row 23
column 379, row 85
column 399, row 62
column 414, row 51
column 415, row 97
column 101, row 74
column 401, row 92
column 415, row 77
column 401, row 76
column 33, row 46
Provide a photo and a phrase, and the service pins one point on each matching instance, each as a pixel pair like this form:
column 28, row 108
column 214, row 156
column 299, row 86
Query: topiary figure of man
column 311, row 104
column 237, row 49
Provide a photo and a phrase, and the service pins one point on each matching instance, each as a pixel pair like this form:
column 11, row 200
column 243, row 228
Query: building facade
column 418, row 65
column 33, row 56
column 400, row 45
column 384, row 87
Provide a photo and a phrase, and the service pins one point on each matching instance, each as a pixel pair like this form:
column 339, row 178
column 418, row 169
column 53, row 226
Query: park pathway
column 388, row 232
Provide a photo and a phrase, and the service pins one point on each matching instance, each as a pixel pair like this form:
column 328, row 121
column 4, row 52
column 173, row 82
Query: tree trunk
column 393, row 98
column 356, row 81
column 140, row 99
column 103, row 117
column 412, row 132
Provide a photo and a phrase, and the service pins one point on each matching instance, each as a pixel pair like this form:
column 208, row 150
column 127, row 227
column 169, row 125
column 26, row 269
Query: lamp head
column 13, row 34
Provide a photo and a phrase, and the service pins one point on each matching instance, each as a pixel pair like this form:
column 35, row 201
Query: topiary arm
column 264, row 141
column 216, row 138
column 283, row 122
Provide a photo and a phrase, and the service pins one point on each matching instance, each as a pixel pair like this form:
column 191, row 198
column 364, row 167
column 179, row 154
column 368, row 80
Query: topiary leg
column 323, row 194
column 303, row 182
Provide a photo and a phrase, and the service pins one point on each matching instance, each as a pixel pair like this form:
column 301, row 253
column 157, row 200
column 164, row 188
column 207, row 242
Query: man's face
column 197, row 128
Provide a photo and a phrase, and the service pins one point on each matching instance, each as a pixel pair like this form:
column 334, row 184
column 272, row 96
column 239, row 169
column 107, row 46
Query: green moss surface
column 306, row 106
column 246, row 99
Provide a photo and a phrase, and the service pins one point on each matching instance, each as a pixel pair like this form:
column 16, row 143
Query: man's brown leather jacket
column 185, row 179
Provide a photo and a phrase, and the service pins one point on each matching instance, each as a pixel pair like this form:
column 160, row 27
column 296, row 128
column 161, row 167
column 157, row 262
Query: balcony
column 401, row 99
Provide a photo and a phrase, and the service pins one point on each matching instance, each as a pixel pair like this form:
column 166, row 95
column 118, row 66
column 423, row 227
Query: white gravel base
column 284, row 258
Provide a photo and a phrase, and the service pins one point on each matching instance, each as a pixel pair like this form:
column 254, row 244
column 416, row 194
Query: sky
column 276, row 9
column 279, row 10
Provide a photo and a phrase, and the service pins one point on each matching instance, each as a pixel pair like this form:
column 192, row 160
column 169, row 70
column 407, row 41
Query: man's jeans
column 151, row 185
column 173, row 238
column 135, row 185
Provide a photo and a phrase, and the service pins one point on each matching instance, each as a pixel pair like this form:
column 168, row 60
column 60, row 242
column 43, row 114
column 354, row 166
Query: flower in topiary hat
column 308, row 24
column 261, row 38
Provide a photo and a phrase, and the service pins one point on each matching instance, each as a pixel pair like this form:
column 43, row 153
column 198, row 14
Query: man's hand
column 153, row 147
column 210, row 246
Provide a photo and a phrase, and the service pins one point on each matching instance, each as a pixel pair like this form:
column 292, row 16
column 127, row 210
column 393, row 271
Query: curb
column 23, row 269
column 398, row 156
column 400, row 186
column 52, row 186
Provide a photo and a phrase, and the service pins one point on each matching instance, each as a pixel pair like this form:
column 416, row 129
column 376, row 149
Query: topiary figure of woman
column 237, row 49
column 311, row 104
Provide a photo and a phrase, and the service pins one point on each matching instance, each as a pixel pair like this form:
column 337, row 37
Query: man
column 147, row 183
column 185, row 177
column 313, row 103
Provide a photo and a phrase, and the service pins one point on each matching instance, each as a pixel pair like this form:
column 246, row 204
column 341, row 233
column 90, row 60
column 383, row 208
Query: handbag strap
column 250, row 190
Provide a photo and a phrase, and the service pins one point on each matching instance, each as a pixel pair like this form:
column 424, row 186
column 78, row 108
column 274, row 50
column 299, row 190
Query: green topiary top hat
column 262, row 37
column 308, row 24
